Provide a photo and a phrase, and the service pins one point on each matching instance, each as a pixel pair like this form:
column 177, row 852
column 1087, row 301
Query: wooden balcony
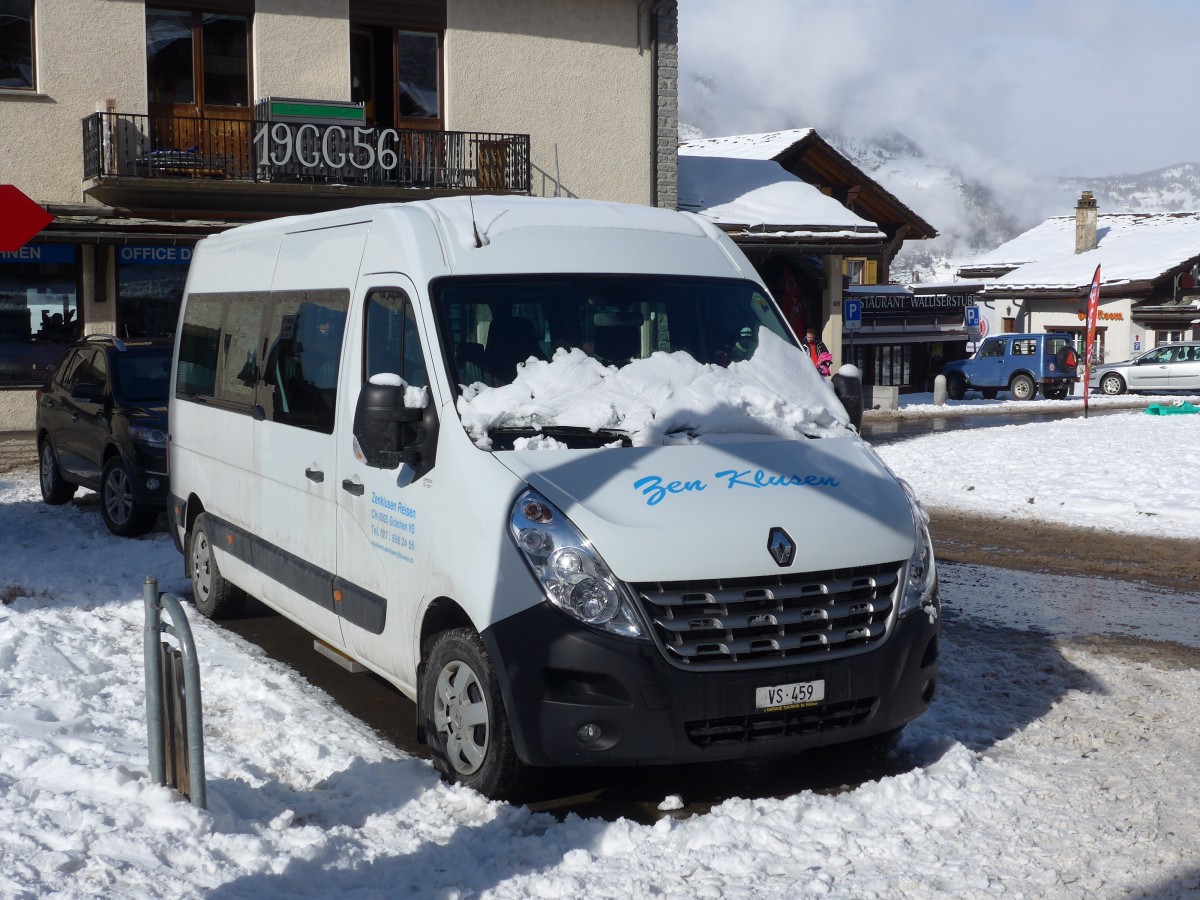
column 147, row 161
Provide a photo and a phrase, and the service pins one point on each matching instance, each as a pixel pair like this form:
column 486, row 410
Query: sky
column 1038, row 88
column 1052, row 763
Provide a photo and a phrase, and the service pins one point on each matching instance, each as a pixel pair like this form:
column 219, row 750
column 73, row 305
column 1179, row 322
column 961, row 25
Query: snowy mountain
column 980, row 212
column 978, row 205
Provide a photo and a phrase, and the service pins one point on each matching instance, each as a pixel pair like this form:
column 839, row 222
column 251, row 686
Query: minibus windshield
column 555, row 356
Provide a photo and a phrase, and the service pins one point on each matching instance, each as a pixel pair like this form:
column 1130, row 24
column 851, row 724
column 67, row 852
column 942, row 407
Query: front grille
column 745, row 729
column 755, row 622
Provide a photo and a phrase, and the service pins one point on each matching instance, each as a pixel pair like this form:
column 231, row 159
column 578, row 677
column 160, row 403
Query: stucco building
column 142, row 127
column 1149, row 278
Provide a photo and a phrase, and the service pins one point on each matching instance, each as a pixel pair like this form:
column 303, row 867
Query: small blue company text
column 655, row 490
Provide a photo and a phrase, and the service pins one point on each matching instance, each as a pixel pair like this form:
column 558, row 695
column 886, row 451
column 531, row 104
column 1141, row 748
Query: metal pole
column 179, row 629
column 191, row 694
column 153, row 664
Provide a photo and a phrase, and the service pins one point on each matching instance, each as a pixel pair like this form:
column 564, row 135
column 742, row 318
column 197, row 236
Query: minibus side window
column 241, row 337
column 393, row 344
column 304, row 346
column 199, row 340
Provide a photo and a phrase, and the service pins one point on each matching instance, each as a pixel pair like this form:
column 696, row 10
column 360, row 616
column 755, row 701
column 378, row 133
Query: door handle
column 315, row 475
column 354, row 487
column 74, row 417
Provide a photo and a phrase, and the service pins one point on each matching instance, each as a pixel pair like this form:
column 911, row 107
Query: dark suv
column 102, row 424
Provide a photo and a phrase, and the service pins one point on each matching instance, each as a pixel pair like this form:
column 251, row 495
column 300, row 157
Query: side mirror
column 390, row 434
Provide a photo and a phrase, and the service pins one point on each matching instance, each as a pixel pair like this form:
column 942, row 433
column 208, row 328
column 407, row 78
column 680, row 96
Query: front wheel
column 465, row 722
column 121, row 514
column 1022, row 388
column 215, row 597
column 956, row 387
column 56, row 490
column 1112, row 384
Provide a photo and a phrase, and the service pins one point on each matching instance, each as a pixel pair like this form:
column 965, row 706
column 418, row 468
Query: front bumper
column 557, row 676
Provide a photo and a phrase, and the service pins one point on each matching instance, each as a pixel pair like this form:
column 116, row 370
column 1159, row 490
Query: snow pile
column 1057, row 761
column 1124, row 472
column 669, row 398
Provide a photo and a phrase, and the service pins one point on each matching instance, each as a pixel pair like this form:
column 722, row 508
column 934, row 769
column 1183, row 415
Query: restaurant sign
column 897, row 305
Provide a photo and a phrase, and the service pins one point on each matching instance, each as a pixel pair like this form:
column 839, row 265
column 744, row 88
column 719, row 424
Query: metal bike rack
column 173, row 715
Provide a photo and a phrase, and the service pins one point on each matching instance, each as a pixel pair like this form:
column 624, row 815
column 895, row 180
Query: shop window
column 150, row 281
column 893, row 364
column 39, row 310
column 16, row 45
column 1079, row 342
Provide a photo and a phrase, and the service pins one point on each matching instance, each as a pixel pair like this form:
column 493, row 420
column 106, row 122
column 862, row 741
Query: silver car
column 1170, row 367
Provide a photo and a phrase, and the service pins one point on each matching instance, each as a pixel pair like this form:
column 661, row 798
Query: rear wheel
column 121, row 514
column 1057, row 391
column 465, row 721
column 1112, row 384
column 215, row 597
column 1022, row 388
column 956, row 387
column 55, row 489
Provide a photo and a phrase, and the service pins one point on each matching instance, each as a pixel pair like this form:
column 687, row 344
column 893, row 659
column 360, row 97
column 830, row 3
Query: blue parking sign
column 972, row 316
column 852, row 314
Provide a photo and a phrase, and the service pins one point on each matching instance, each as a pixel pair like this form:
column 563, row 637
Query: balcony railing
column 253, row 150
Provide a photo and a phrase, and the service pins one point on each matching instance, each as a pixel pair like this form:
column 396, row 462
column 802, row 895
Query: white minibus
column 557, row 470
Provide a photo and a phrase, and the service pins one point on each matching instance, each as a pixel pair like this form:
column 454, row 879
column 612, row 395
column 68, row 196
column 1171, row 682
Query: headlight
column 570, row 571
column 920, row 574
column 144, row 434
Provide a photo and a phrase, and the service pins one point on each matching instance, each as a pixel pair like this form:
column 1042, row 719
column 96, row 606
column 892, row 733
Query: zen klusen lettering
column 655, row 491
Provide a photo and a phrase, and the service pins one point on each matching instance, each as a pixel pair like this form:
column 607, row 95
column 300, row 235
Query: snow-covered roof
column 1130, row 247
column 761, row 193
column 767, row 145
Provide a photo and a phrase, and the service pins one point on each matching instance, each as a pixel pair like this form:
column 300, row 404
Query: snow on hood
column 669, row 398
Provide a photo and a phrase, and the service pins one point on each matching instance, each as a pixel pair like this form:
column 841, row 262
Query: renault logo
column 781, row 547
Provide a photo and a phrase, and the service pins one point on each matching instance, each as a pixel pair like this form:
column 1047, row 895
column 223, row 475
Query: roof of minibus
column 514, row 234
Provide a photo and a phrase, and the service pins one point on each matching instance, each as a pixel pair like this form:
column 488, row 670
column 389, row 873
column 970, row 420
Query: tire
column 465, row 722
column 121, row 514
column 1022, row 387
column 56, row 490
column 990, row 393
column 1057, row 392
column 214, row 597
column 956, row 387
column 1112, row 384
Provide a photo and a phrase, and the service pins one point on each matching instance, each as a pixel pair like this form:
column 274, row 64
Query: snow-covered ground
column 1049, row 766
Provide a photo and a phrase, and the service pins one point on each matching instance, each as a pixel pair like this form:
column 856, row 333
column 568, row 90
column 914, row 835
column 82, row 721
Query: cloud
column 1044, row 88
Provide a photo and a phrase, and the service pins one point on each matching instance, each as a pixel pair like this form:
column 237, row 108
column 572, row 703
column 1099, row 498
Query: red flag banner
column 1093, row 306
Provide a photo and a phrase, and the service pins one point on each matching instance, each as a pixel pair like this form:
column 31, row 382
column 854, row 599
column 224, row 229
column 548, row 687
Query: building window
column 397, row 75
column 861, row 271
column 39, row 310
column 197, row 59
column 16, row 44
column 150, row 281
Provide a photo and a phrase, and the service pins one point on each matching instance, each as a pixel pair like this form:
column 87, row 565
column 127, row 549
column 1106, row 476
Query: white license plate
column 789, row 696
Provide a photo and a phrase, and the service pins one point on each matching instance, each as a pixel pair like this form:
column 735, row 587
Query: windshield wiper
column 568, row 433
